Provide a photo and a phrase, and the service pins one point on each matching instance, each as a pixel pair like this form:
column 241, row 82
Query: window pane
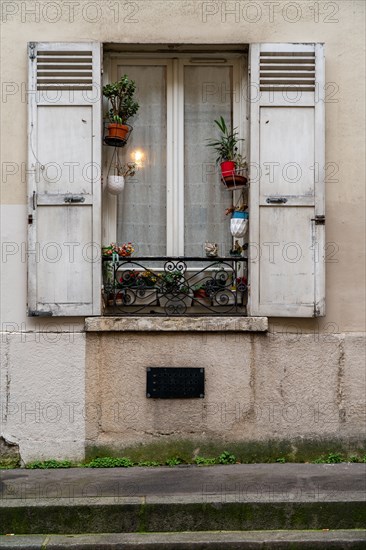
column 142, row 205
column 207, row 96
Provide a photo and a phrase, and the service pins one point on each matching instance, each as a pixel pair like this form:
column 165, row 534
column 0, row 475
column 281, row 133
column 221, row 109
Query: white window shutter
column 64, row 179
column 286, row 251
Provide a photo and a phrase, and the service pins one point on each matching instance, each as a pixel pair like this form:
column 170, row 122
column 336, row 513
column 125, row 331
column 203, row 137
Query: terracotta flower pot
column 118, row 131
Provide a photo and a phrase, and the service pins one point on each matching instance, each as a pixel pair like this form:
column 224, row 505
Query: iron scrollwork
column 174, row 286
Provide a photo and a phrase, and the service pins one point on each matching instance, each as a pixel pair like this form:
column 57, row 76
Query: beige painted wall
column 257, row 387
column 287, row 367
column 339, row 24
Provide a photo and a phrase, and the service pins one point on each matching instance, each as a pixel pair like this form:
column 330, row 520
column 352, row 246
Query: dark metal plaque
column 175, row 382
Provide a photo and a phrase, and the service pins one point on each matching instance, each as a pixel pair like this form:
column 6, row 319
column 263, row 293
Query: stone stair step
column 209, row 540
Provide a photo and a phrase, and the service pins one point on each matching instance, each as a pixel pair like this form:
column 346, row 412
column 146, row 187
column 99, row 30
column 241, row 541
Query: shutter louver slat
column 284, row 71
column 64, row 70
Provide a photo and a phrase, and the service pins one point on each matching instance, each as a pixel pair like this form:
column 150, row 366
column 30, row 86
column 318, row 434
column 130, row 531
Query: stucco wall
column 340, row 25
column 43, row 394
column 155, row 21
column 257, row 387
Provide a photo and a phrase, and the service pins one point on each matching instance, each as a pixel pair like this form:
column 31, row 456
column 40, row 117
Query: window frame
column 175, row 64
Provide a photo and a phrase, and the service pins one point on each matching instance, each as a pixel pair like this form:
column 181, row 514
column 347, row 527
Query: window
column 176, row 203
column 286, row 120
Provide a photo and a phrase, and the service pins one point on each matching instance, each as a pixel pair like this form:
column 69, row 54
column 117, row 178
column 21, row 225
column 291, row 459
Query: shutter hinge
column 316, row 312
column 35, row 313
column 30, row 219
column 319, row 220
column 32, row 47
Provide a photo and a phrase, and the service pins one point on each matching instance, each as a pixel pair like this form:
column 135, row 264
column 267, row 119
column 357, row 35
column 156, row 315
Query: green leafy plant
column 120, row 94
column 109, row 462
column 140, row 279
column 148, row 463
column 334, row 458
column 354, row 458
column 226, row 146
column 201, row 460
column 331, row 458
column 281, row 460
column 172, row 282
column 175, row 461
column 226, row 458
column 49, row 464
column 321, row 460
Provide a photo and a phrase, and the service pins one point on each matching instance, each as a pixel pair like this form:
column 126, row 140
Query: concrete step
column 176, row 514
column 221, row 498
column 249, row 540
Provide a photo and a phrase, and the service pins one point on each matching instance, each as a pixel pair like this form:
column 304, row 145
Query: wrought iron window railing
column 174, row 286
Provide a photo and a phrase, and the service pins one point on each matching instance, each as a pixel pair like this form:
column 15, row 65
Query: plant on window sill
column 113, row 249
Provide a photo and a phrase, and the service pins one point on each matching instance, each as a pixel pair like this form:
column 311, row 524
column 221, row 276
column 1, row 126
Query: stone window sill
column 176, row 324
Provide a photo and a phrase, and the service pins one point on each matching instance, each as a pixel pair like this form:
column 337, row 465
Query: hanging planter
column 239, row 224
column 116, row 181
column 234, row 181
column 232, row 164
column 123, row 106
column 116, row 134
column 115, row 184
column 227, row 168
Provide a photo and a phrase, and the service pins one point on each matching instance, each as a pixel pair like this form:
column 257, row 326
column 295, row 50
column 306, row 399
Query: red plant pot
column 227, row 168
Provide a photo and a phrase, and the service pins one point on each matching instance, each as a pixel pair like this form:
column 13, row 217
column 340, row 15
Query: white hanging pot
column 239, row 224
column 115, row 184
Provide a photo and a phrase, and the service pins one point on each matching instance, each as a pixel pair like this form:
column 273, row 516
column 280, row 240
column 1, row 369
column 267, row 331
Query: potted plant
column 116, row 181
column 124, row 250
column 139, row 287
column 232, row 164
column 200, row 296
column 123, row 106
column 174, row 291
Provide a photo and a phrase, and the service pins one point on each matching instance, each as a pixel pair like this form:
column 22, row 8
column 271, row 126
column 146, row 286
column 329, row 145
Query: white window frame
column 175, row 64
